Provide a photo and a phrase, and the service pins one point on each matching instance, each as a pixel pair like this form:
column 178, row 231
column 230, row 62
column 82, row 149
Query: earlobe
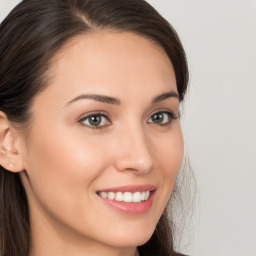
column 10, row 155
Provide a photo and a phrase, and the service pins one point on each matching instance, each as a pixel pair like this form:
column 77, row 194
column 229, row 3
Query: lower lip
column 132, row 208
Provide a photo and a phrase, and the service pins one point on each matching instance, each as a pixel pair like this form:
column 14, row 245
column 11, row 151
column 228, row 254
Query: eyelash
column 170, row 114
column 81, row 121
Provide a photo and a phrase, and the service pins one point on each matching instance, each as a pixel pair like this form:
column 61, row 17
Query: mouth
column 129, row 199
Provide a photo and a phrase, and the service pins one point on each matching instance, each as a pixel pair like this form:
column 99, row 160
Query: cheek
column 62, row 167
column 170, row 154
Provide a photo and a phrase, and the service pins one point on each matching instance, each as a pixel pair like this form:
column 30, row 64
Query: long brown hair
column 30, row 36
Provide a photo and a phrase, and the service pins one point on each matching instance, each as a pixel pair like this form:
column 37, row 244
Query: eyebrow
column 115, row 101
column 97, row 97
column 171, row 94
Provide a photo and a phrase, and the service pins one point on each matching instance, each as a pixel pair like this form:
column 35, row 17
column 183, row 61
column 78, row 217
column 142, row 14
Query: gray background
column 219, row 122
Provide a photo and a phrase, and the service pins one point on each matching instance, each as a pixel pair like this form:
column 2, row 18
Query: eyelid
column 170, row 114
column 94, row 113
column 167, row 111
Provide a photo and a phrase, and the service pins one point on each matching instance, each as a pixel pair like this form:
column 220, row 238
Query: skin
column 67, row 162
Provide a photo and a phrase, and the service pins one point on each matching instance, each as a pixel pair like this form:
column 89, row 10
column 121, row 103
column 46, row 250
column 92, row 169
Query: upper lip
column 130, row 188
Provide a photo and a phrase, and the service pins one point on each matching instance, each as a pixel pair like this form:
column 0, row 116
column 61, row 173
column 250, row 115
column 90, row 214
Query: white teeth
column 137, row 197
column 119, row 196
column 111, row 195
column 143, row 195
column 147, row 195
column 104, row 194
column 126, row 197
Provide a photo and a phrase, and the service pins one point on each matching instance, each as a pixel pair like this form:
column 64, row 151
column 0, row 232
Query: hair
column 30, row 37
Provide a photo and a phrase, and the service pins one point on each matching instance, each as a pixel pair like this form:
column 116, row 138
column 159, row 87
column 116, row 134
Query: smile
column 127, row 197
column 131, row 199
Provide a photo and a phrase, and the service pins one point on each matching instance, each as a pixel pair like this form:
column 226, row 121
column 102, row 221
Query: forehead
column 111, row 62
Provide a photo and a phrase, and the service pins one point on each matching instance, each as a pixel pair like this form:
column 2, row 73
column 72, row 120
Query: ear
column 10, row 146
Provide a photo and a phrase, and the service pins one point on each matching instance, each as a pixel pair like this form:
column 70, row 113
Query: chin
column 131, row 239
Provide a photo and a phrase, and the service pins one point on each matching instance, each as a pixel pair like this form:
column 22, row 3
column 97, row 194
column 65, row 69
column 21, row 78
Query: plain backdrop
column 219, row 120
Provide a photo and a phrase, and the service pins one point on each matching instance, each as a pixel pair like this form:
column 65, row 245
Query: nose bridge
column 134, row 149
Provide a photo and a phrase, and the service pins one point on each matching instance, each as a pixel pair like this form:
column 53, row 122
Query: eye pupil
column 95, row 120
column 158, row 118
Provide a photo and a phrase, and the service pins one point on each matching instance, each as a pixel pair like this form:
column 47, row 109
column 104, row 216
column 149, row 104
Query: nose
column 133, row 151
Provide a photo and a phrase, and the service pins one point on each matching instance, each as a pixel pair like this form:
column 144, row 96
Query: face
column 105, row 145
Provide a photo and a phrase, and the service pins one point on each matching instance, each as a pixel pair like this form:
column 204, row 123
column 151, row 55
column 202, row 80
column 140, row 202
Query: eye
column 95, row 121
column 162, row 118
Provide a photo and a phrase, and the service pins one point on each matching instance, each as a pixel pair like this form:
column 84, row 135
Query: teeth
column 143, row 195
column 126, row 197
column 111, row 195
column 119, row 196
column 137, row 197
column 104, row 194
column 147, row 195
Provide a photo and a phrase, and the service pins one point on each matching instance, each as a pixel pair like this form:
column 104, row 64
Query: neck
column 51, row 239
column 69, row 249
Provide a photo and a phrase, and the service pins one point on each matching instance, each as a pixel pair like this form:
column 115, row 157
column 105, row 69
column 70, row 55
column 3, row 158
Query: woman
column 90, row 137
